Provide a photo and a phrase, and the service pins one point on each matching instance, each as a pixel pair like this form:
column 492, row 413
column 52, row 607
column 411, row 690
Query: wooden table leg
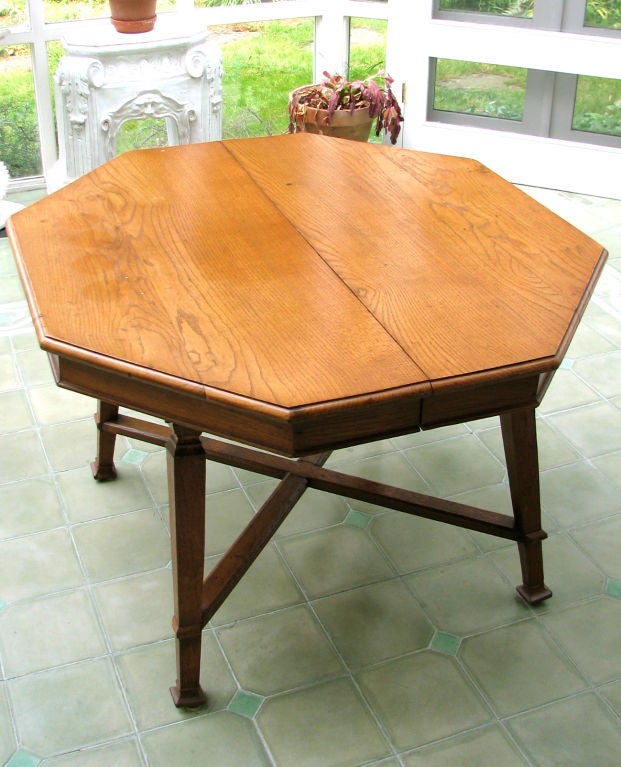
column 186, row 491
column 520, row 441
column 103, row 465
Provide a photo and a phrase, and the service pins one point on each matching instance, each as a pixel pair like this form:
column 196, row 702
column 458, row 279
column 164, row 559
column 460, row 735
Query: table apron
column 309, row 431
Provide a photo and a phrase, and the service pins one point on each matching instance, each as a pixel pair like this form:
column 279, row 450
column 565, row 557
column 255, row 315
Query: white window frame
column 415, row 38
column 330, row 52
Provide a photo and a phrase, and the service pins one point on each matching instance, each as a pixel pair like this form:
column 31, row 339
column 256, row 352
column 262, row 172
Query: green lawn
column 483, row 89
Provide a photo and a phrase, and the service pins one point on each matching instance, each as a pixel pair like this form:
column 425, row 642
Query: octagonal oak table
column 299, row 294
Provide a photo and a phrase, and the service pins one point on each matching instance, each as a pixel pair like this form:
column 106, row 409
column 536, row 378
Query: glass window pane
column 475, row 88
column 367, row 52
column 598, row 105
column 367, row 47
column 19, row 135
column 13, row 13
column 520, row 8
column 262, row 62
column 603, row 13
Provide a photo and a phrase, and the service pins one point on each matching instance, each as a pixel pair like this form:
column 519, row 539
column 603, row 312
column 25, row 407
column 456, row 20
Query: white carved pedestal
column 108, row 78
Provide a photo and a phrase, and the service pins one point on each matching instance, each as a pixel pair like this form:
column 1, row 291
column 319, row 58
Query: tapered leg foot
column 186, row 489
column 533, row 590
column 102, row 473
column 103, row 466
column 534, row 596
column 520, row 442
column 195, row 698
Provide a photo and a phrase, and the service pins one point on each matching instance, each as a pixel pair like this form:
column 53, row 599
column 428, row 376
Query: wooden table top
column 300, row 274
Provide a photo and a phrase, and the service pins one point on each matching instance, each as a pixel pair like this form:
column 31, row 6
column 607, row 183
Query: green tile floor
column 360, row 636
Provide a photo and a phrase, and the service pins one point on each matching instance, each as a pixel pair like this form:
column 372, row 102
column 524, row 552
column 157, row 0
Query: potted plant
column 133, row 16
column 346, row 108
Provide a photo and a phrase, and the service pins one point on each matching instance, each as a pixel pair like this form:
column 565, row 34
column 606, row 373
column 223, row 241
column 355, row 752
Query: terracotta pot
column 354, row 125
column 133, row 16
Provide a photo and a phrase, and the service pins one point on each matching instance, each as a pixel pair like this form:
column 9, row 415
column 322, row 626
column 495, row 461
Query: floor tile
column 456, row 465
column 219, row 740
column 602, row 542
column 612, row 694
column 123, row 544
column 409, row 697
column 70, row 445
column 413, row 543
column 313, row 511
column 86, row 499
column 268, row 585
column 489, row 543
column 43, row 633
column 22, row 456
column 494, row 498
column 374, row 623
column 68, row 708
column 609, row 465
column 571, row 733
column 586, row 342
column 149, row 671
column 432, row 435
column 575, row 494
column 291, row 636
column 325, row 725
column 589, row 633
column 14, row 412
column 29, row 506
column 7, row 739
column 602, row 372
column 391, row 468
column 227, row 514
column 123, row 753
column 519, row 667
column 569, row 573
column 467, row 597
column 219, row 476
column 246, row 703
column 593, row 429
column 34, row 367
column 26, row 340
column 567, row 391
column 554, row 450
column 334, row 559
column 604, row 323
column 473, row 749
column 357, row 452
column 37, row 564
column 11, row 289
column 52, row 404
column 137, row 609
column 9, row 377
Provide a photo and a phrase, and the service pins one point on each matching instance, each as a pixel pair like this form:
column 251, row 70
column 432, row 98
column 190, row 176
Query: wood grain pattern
column 301, row 272
column 180, row 264
column 464, row 270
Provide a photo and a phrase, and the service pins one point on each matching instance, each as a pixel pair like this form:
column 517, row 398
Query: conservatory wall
column 559, row 52
column 547, row 42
